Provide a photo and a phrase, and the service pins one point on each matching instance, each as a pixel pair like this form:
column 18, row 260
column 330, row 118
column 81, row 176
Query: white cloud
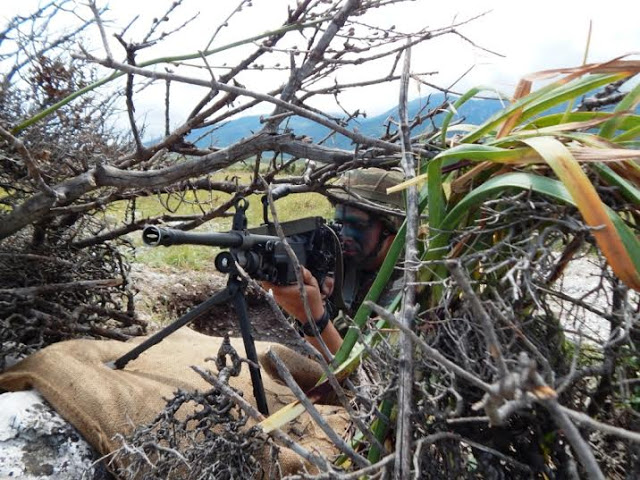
column 531, row 36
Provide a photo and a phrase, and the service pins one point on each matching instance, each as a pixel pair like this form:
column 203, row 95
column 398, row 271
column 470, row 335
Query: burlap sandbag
column 101, row 402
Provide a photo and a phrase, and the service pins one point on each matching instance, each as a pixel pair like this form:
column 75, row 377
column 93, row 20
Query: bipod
column 234, row 292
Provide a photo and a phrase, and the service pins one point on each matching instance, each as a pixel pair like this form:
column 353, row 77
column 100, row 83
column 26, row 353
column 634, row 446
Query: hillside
column 474, row 111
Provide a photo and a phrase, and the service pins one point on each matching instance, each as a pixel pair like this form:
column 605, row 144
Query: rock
column 581, row 280
column 36, row 443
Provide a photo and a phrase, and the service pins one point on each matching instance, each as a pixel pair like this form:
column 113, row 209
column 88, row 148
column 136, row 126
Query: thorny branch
column 34, row 171
column 315, row 65
column 487, row 325
column 504, row 303
column 312, row 458
column 409, row 308
column 313, row 412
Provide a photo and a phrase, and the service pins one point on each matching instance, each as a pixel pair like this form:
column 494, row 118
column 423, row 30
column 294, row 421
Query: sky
column 528, row 36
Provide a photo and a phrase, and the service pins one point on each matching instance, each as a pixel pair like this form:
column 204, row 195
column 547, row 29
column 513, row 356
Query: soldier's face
column 360, row 232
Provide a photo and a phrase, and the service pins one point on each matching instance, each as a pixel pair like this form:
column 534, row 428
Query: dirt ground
column 164, row 295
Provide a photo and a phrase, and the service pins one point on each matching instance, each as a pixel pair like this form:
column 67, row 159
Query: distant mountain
column 474, row 111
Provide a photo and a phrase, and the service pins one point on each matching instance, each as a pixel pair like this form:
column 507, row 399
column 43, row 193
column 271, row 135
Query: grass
column 197, row 257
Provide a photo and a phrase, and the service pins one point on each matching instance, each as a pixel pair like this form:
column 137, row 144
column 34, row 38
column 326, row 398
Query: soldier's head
column 369, row 216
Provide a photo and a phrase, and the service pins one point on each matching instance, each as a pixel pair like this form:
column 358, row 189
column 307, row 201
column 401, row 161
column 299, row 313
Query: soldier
column 367, row 233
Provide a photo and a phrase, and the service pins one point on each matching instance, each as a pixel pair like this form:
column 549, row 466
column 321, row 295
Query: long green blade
column 568, row 92
column 542, row 100
column 629, row 102
column 458, row 103
column 627, row 189
column 626, row 122
column 630, row 134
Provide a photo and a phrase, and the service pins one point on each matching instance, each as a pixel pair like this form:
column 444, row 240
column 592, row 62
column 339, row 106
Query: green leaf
column 626, row 122
column 568, row 92
column 437, row 209
column 627, row 189
column 629, row 102
column 461, row 101
column 630, row 134
column 380, row 429
column 543, row 99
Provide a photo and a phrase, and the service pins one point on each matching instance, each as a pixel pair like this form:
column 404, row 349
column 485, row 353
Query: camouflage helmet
column 371, row 184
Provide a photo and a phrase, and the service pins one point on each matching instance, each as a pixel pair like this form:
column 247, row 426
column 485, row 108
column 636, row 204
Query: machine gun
column 263, row 256
column 259, row 251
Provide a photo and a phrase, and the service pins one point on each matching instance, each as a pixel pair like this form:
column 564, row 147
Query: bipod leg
column 218, row 298
column 237, row 287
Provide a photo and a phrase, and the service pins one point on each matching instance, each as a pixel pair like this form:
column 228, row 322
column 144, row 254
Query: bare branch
column 492, row 340
column 103, row 34
column 55, row 287
column 30, row 163
column 313, row 412
column 409, row 308
column 580, row 446
column 356, row 137
column 287, row 441
column 430, row 351
column 585, row 420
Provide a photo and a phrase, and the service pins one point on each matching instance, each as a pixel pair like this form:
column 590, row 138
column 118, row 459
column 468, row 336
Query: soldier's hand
column 289, row 297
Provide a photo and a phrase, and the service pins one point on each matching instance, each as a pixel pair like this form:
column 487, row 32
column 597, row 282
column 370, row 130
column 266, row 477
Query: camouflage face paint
column 356, row 226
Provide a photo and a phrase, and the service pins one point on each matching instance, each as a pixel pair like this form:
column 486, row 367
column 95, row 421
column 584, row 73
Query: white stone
column 36, row 443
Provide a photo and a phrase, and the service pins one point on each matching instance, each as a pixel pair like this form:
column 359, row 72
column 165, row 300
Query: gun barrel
column 154, row 236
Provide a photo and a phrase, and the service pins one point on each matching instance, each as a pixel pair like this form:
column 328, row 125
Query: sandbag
column 101, row 402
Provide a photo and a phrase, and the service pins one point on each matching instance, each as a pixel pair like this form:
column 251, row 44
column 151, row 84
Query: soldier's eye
column 357, row 224
column 361, row 224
